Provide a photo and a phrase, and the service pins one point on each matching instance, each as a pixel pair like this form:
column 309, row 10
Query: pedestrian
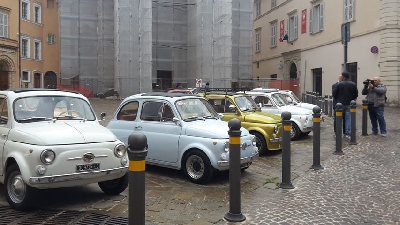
column 375, row 93
column 334, row 101
column 345, row 92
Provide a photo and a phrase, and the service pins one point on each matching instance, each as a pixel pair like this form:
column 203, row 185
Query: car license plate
column 87, row 167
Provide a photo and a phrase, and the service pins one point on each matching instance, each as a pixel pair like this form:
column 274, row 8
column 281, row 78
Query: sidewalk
column 360, row 187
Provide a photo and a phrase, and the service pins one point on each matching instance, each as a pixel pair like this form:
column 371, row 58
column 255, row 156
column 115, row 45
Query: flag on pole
column 284, row 38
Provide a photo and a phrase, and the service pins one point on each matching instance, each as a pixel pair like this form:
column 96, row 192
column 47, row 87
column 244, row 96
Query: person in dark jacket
column 334, row 86
column 345, row 92
column 376, row 97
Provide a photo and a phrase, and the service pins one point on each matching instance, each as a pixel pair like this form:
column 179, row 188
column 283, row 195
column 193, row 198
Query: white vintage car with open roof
column 183, row 132
column 52, row 139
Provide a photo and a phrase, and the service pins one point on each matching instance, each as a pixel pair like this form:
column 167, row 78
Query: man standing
column 376, row 97
column 345, row 92
column 334, row 86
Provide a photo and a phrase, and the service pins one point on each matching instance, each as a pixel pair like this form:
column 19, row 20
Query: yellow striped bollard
column 286, row 137
column 353, row 122
column 339, row 118
column 316, row 139
column 364, row 117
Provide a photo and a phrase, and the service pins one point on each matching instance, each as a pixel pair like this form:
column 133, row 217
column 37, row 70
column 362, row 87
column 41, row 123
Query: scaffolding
column 138, row 46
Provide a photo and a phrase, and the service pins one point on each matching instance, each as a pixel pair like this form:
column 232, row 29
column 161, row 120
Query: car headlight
column 119, row 150
column 276, row 129
column 47, row 156
column 254, row 141
column 226, row 146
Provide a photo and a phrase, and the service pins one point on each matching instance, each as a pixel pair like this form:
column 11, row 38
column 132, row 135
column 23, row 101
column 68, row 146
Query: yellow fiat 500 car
column 266, row 127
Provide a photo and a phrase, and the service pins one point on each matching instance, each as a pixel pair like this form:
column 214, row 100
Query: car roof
column 161, row 95
column 21, row 90
column 222, row 91
column 27, row 92
column 265, row 90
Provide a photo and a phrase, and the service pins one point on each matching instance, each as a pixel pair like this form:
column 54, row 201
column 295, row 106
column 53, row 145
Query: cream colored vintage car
column 52, row 139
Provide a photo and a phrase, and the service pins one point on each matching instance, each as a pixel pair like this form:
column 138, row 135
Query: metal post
column 317, row 139
column 353, row 122
column 364, row 117
column 330, row 106
column 137, row 152
column 286, row 173
column 326, row 110
column 339, row 114
column 234, row 214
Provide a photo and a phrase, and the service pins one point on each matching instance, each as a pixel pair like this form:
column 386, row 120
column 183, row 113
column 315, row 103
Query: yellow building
column 29, row 46
column 313, row 54
column 39, row 45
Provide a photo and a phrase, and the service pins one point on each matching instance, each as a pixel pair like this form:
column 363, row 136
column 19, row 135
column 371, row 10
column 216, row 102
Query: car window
column 279, row 99
column 166, row 113
column 150, row 111
column 264, row 100
column 245, row 103
column 195, row 108
column 129, row 111
column 3, row 111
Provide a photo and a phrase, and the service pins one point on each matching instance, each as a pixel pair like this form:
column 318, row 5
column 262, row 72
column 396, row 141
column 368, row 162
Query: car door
column 4, row 129
column 125, row 121
column 156, row 122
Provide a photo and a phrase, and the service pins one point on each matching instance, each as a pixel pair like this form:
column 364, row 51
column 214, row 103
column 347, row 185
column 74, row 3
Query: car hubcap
column 16, row 188
column 258, row 143
column 292, row 132
column 195, row 167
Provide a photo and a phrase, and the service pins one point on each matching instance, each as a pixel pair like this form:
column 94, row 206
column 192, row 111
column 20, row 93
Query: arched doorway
column 50, row 80
column 293, row 71
column 4, row 82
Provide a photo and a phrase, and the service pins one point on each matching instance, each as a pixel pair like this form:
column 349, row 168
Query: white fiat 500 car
column 51, row 139
column 183, row 132
column 274, row 102
column 292, row 99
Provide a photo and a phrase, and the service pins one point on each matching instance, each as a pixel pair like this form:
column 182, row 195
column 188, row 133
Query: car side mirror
column 220, row 116
column 175, row 120
column 103, row 116
column 260, row 105
column 232, row 108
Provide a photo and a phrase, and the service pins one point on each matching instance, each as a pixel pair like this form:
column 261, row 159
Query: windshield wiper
column 33, row 119
column 68, row 117
column 192, row 118
column 209, row 117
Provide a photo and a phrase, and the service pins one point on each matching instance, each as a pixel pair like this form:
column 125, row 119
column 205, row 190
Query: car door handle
column 4, row 135
column 138, row 127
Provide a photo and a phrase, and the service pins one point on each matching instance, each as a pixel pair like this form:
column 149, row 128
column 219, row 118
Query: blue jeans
column 376, row 115
column 347, row 119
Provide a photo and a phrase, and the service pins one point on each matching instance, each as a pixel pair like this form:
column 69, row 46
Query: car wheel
column 116, row 186
column 20, row 196
column 261, row 144
column 306, row 133
column 197, row 167
column 294, row 132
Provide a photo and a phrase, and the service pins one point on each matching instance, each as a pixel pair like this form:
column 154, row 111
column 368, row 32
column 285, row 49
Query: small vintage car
column 275, row 102
column 266, row 127
column 51, row 139
column 183, row 132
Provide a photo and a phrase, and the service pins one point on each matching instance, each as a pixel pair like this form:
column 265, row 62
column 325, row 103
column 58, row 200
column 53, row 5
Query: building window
column 38, row 13
column 348, row 10
column 293, row 28
column 317, row 18
column 273, row 4
column 38, row 49
column 26, row 76
column 258, row 8
column 274, row 76
column 3, row 25
column 51, row 39
column 258, row 40
column 273, row 34
column 50, row 4
column 258, row 65
column 25, row 48
column 25, row 12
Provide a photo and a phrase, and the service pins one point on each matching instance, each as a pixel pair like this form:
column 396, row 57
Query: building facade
column 39, row 45
column 302, row 40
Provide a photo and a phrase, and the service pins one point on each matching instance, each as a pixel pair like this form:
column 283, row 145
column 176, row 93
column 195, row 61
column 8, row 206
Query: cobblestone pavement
column 356, row 188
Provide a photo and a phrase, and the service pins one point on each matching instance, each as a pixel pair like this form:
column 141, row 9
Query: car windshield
column 291, row 98
column 245, row 103
column 279, row 99
column 40, row 108
column 195, row 108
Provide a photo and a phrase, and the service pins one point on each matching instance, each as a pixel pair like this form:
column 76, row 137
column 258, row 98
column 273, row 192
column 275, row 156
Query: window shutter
column 295, row 36
column 351, row 10
column 1, row 25
column 288, row 28
column 311, row 21
column 272, row 35
column 321, row 16
column 5, row 25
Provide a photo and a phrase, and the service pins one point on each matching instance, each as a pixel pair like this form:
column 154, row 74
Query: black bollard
column 317, row 139
column 326, row 105
column 353, row 122
column 339, row 115
column 137, row 152
column 286, row 172
column 234, row 214
column 364, row 117
column 330, row 106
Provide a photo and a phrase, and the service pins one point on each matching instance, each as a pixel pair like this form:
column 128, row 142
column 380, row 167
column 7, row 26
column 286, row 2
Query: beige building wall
column 8, row 43
column 321, row 54
column 39, row 64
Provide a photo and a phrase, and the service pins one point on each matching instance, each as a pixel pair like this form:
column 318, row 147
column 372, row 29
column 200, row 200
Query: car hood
column 306, row 105
column 210, row 129
column 61, row 133
column 294, row 110
column 262, row 117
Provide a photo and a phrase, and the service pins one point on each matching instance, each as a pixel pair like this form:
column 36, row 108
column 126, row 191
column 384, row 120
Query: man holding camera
column 376, row 98
column 345, row 92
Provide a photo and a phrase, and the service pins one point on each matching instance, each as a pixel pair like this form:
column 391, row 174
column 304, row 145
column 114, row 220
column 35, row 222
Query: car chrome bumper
column 274, row 140
column 76, row 176
column 306, row 129
column 224, row 164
